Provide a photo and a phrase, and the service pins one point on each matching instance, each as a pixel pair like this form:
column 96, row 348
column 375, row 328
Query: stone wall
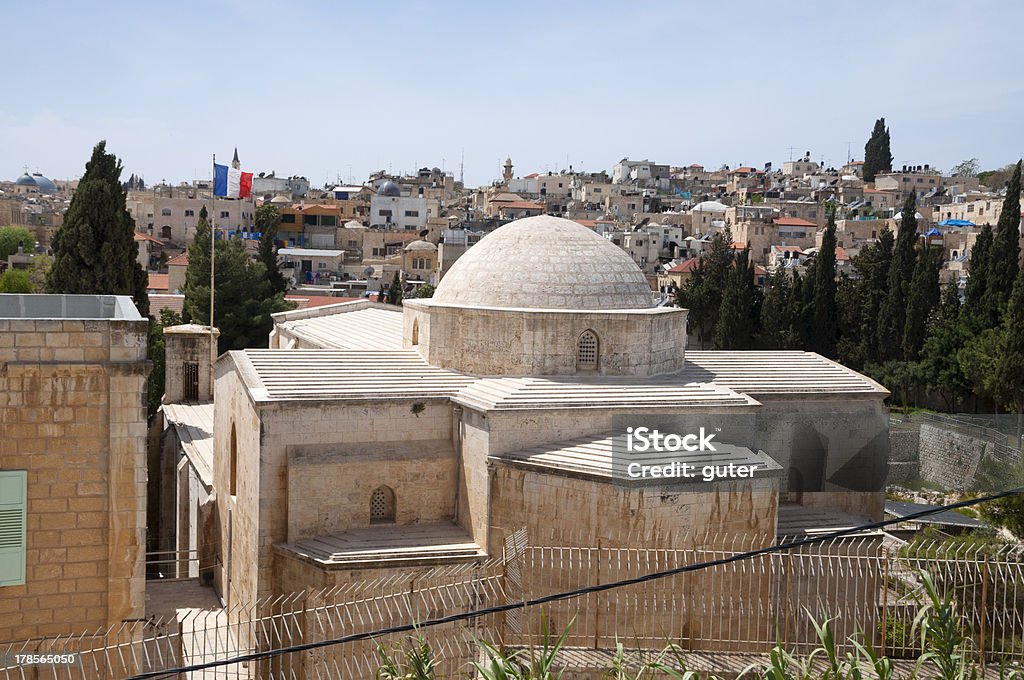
column 73, row 413
column 948, row 458
column 543, row 342
column 904, row 465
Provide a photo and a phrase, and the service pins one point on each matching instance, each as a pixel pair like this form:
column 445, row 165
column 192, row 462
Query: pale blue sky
column 328, row 88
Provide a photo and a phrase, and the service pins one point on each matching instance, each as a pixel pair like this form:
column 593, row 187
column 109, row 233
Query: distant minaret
column 508, row 170
column 234, row 161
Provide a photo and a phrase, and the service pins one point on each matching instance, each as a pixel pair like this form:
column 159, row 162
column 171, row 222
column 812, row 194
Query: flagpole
column 213, row 259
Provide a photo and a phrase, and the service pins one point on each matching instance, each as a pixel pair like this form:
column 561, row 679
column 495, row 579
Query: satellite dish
column 423, row 234
column 368, row 272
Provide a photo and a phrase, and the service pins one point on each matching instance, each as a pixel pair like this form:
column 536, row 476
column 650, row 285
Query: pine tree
column 823, row 338
column 243, row 299
column 268, row 219
column 922, row 298
column 94, row 249
column 1004, row 255
column 735, row 328
column 877, row 154
column 893, row 314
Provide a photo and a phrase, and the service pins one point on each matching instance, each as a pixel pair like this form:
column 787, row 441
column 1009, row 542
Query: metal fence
column 865, row 586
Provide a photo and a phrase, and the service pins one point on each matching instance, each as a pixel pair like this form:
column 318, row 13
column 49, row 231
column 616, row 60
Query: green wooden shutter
column 13, row 504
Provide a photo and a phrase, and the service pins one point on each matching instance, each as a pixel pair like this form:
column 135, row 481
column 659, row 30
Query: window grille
column 586, row 350
column 382, row 505
column 191, row 380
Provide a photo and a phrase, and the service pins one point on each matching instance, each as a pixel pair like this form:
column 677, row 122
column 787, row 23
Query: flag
column 231, row 182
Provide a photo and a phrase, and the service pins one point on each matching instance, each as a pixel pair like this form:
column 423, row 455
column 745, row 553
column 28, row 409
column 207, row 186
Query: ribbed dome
column 545, row 262
column 44, row 184
column 389, row 188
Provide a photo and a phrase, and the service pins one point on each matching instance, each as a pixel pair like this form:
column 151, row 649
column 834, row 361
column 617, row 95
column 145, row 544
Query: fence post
column 984, row 610
column 885, row 601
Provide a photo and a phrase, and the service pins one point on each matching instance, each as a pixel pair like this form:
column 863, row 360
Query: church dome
column 25, row 181
column 545, row 262
column 389, row 188
column 44, row 184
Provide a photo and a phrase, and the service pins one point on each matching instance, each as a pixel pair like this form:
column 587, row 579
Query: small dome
column 545, row 262
column 422, row 246
column 45, row 185
column 25, row 181
column 899, row 215
column 389, row 188
column 280, row 198
column 710, row 206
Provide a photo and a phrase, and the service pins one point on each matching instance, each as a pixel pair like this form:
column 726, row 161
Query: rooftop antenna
column 791, row 150
column 462, row 167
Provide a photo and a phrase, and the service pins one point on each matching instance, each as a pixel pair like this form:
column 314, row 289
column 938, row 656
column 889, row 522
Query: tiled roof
column 157, row 282
column 521, row 205
column 181, row 259
column 308, row 301
column 793, row 222
column 685, row 267
column 157, row 302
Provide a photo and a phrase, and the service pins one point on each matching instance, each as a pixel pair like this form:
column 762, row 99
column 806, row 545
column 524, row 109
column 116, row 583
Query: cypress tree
column 1011, row 368
column 947, row 335
column 94, row 250
column 735, row 322
column 877, row 154
column 702, row 292
column 776, row 321
column 874, row 264
column 1003, row 257
column 893, row 316
column 977, row 284
column 922, row 298
column 395, row 290
column 823, row 339
column 268, row 219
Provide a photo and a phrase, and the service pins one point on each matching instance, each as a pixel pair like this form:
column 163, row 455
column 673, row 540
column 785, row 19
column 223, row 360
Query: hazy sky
column 329, row 89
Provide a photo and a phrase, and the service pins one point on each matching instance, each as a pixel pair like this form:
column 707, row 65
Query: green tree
column 873, row 265
column 1010, row 374
column 977, row 284
column 39, row 270
column 701, row 294
column 998, row 178
column 15, row 281
column 425, row 290
column 243, row 298
column 95, row 250
column 776, row 327
column 395, row 290
column 736, row 329
column 800, row 302
column 922, row 298
column 157, row 355
column 823, row 338
column 979, row 361
column 267, row 221
column 893, row 314
column 877, row 154
column 1004, row 255
column 11, row 238
column 947, row 335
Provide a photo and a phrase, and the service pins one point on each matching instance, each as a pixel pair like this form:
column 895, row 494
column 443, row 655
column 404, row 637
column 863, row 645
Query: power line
column 569, row 594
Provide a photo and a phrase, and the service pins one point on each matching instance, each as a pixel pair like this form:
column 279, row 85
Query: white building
column 389, row 208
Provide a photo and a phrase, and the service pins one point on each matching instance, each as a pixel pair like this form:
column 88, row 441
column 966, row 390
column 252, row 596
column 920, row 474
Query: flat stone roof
column 193, row 424
column 348, row 326
column 319, row 374
column 40, row 306
column 766, row 372
column 388, row 545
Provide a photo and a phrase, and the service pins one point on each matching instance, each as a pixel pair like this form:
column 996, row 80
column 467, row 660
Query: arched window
column 415, row 331
column 234, row 461
column 165, row 232
column 586, row 351
column 382, row 505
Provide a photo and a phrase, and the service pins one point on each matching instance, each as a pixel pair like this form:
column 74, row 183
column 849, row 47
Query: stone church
column 371, row 438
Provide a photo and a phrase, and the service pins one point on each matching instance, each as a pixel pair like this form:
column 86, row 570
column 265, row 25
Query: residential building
column 390, row 209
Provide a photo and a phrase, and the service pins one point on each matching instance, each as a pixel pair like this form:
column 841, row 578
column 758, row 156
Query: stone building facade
column 73, row 372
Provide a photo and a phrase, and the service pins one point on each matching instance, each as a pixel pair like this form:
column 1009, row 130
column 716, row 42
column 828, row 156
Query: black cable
column 568, row 594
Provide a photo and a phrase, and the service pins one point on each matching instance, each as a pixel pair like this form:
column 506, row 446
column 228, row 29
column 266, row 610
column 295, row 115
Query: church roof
column 545, row 262
column 776, row 372
column 351, row 325
column 322, row 374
